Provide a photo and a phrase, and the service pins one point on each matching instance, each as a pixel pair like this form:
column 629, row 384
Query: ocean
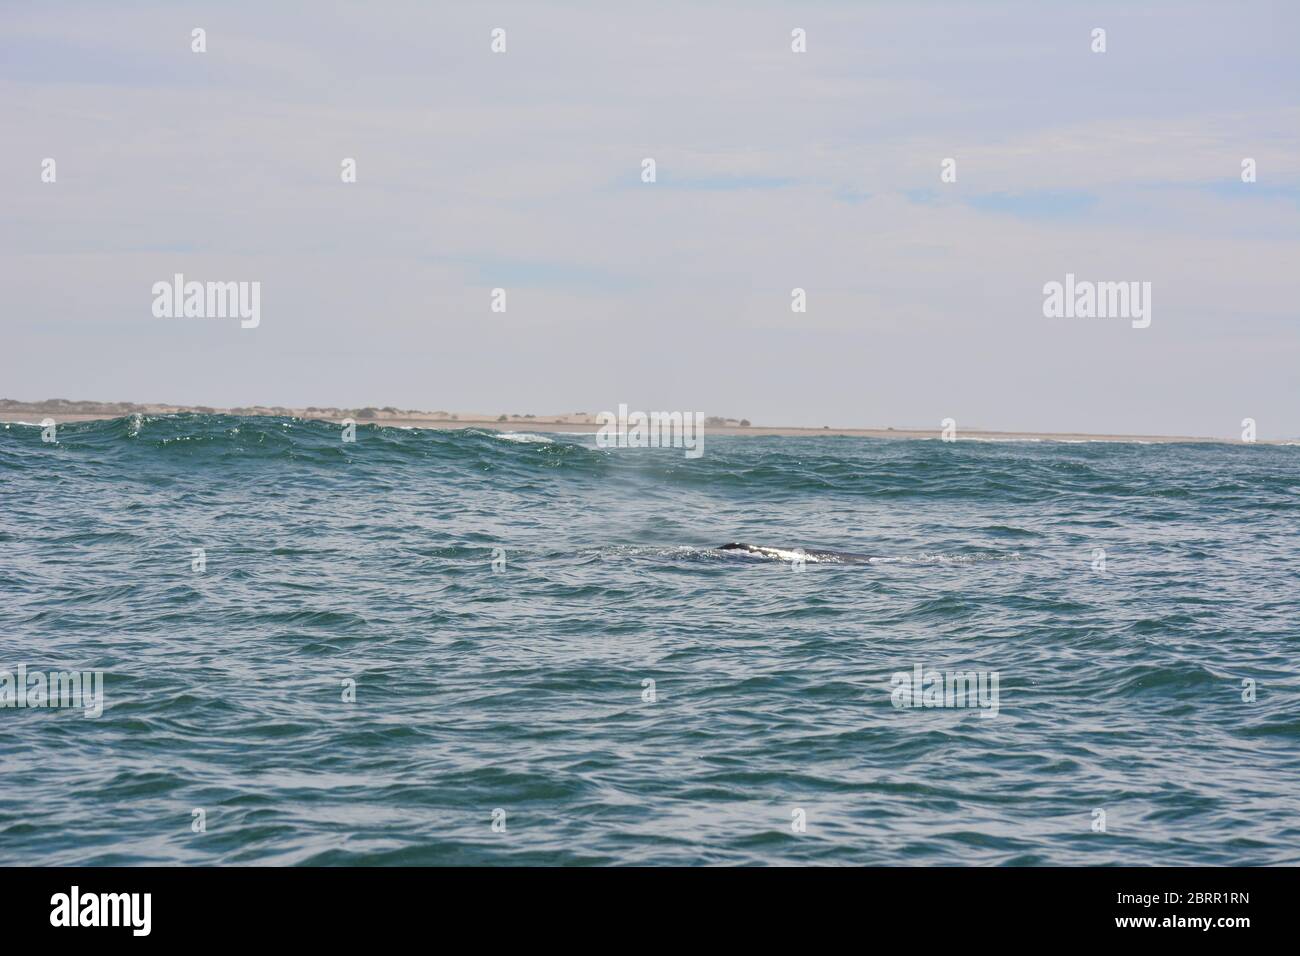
column 467, row 647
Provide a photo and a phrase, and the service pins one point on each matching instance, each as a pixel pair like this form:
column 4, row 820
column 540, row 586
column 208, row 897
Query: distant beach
column 65, row 411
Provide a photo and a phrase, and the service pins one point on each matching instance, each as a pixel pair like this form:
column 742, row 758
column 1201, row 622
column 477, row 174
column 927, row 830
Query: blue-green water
column 523, row 689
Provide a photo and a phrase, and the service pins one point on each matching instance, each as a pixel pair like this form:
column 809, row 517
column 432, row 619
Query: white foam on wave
column 776, row 554
column 524, row 437
column 789, row 555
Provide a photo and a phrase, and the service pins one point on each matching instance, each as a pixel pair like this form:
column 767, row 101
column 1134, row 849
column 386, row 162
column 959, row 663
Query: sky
column 775, row 170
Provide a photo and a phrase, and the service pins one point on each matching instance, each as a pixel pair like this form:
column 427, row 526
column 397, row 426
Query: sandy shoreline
column 577, row 422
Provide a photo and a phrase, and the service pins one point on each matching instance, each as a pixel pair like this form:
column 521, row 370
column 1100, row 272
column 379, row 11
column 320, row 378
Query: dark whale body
column 759, row 551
